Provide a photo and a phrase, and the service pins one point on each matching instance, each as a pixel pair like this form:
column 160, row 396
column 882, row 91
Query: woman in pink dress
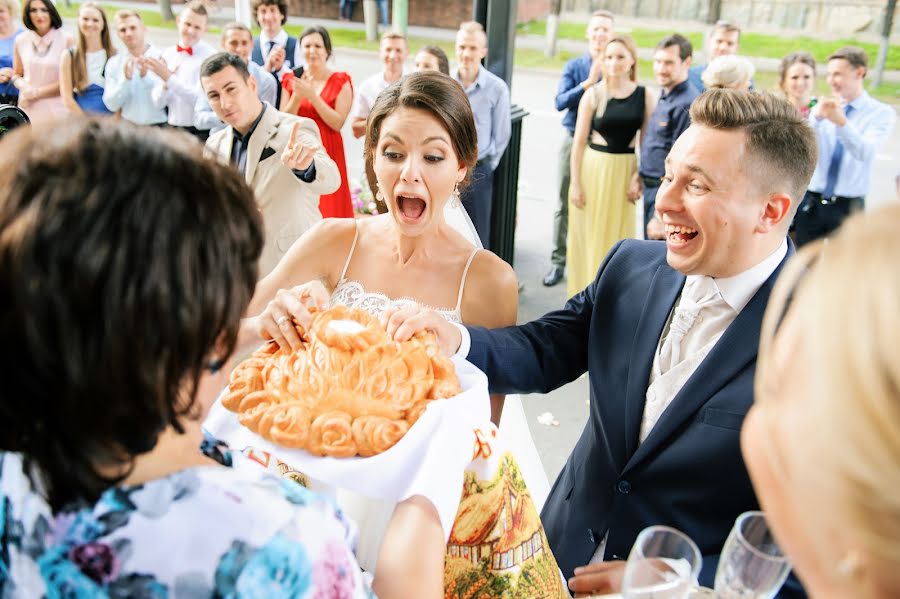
column 36, row 59
column 324, row 96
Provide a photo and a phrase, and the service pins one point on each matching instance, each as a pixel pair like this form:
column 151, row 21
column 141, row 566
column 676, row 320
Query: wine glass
column 751, row 566
column 663, row 564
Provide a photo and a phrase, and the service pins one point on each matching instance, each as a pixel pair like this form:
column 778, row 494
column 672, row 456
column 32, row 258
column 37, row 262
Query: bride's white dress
column 373, row 516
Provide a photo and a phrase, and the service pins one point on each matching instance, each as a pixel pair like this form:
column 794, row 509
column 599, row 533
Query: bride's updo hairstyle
column 439, row 95
column 126, row 261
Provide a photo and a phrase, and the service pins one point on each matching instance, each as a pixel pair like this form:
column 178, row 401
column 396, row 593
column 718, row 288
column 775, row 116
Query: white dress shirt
column 133, row 96
column 280, row 41
column 179, row 93
column 367, row 93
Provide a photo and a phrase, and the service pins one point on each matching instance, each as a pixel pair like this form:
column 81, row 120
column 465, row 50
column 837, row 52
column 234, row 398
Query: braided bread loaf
column 349, row 390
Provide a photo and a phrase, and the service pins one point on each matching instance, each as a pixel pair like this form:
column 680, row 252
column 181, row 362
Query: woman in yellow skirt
column 602, row 209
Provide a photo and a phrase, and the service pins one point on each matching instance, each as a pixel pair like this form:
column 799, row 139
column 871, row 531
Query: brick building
column 427, row 13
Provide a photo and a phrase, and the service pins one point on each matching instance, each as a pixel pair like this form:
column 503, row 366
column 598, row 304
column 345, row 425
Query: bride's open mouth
column 411, row 208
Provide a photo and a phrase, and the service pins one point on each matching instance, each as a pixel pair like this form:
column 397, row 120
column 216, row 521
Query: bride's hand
column 403, row 323
column 290, row 307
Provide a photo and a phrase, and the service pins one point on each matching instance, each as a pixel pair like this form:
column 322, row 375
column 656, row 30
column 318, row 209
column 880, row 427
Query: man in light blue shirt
column 850, row 128
column 237, row 39
column 489, row 97
column 128, row 79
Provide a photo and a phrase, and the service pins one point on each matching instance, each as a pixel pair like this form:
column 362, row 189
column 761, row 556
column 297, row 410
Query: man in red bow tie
column 179, row 70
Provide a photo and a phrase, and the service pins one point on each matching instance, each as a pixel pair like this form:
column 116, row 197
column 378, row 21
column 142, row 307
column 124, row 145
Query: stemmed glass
column 663, row 564
column 751, row 566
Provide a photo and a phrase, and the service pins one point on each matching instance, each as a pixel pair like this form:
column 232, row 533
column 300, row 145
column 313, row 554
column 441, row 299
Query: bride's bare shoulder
column 491, row 294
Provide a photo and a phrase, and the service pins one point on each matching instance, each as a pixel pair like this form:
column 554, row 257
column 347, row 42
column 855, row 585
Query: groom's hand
column 597, row 579
column 403, row 323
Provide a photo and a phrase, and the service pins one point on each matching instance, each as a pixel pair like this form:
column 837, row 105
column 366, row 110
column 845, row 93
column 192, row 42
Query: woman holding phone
column 325, row 96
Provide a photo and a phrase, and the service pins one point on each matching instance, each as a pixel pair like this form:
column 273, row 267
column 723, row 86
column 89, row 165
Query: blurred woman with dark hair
column 36, row 57
column 121, row 298
column 81, row 80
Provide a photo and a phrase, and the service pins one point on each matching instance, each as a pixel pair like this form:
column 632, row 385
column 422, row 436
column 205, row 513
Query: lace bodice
column 354, row 294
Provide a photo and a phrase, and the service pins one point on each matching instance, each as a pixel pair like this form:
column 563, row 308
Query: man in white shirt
column 274, row 50
column 179, row 70
column 393, row 53
column 237, row 39
column 129, row 81
column 668, row 333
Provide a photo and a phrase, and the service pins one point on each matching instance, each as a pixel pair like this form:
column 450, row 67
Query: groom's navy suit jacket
column 689, row 472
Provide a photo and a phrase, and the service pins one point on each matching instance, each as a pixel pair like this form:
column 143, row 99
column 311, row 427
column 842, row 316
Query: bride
column 422, row 144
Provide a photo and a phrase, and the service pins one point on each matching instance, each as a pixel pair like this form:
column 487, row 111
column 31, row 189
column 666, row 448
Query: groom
column 668, row 333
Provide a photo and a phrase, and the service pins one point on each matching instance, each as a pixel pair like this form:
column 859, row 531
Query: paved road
column 541, row 137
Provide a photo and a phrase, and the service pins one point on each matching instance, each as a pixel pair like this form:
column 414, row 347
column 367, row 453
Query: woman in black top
column 604, row 160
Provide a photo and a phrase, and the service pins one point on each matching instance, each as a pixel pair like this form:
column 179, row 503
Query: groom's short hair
column 781, row 146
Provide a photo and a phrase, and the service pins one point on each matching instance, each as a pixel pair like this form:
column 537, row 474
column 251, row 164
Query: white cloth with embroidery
column 429, row 460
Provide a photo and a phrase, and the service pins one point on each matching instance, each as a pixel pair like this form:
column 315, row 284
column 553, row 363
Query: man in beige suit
column 280, row 155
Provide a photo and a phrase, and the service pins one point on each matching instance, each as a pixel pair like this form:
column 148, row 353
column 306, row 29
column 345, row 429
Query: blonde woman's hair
column 79, row 52
column 729, row 71
column 599, row 94
column 12, row 6
column 841, row 298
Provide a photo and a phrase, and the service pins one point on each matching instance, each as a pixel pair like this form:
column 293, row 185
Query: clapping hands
column 831, row 109
column 297, row 155
column 304, row 86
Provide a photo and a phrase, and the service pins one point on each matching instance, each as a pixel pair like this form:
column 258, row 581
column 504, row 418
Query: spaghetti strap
column 350, row 255
column 462, row 283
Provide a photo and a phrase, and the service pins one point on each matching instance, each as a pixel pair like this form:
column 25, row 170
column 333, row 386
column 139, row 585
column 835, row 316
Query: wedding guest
column 729, row 71
column 179, row 70
column 797, row 79
column 603, row 162
column 670, row 118
column 579, row 75
column 393, row 53
column 9, row 10
column 326, row 97
column 723, row 40
column 237, row 39
column 129, row 80
column 668, row 335
column 288, row 169
column 36, row 57
column 81, row 78
column 274, row 50
column 106, row 492
column 489, row 96
column 851, row 127
column 837, row 521
column 432, row 58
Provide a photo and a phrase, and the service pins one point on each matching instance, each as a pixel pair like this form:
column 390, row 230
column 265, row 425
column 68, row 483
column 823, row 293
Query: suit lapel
column 732, row 353
column 265, row 130
column 664, row 290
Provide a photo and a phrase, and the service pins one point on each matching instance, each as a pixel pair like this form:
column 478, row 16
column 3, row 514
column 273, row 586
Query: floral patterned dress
column 206, row 531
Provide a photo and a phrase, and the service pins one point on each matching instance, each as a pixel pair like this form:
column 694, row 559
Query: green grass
column 752, row 44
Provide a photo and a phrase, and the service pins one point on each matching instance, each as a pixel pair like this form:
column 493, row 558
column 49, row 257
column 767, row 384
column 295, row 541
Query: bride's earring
column 454, row 197
column 380, row 197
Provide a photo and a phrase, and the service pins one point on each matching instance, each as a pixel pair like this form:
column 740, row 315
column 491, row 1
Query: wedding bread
column 348, row 390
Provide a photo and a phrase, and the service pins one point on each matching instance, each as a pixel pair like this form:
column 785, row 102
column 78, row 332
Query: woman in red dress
column 326, row 97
